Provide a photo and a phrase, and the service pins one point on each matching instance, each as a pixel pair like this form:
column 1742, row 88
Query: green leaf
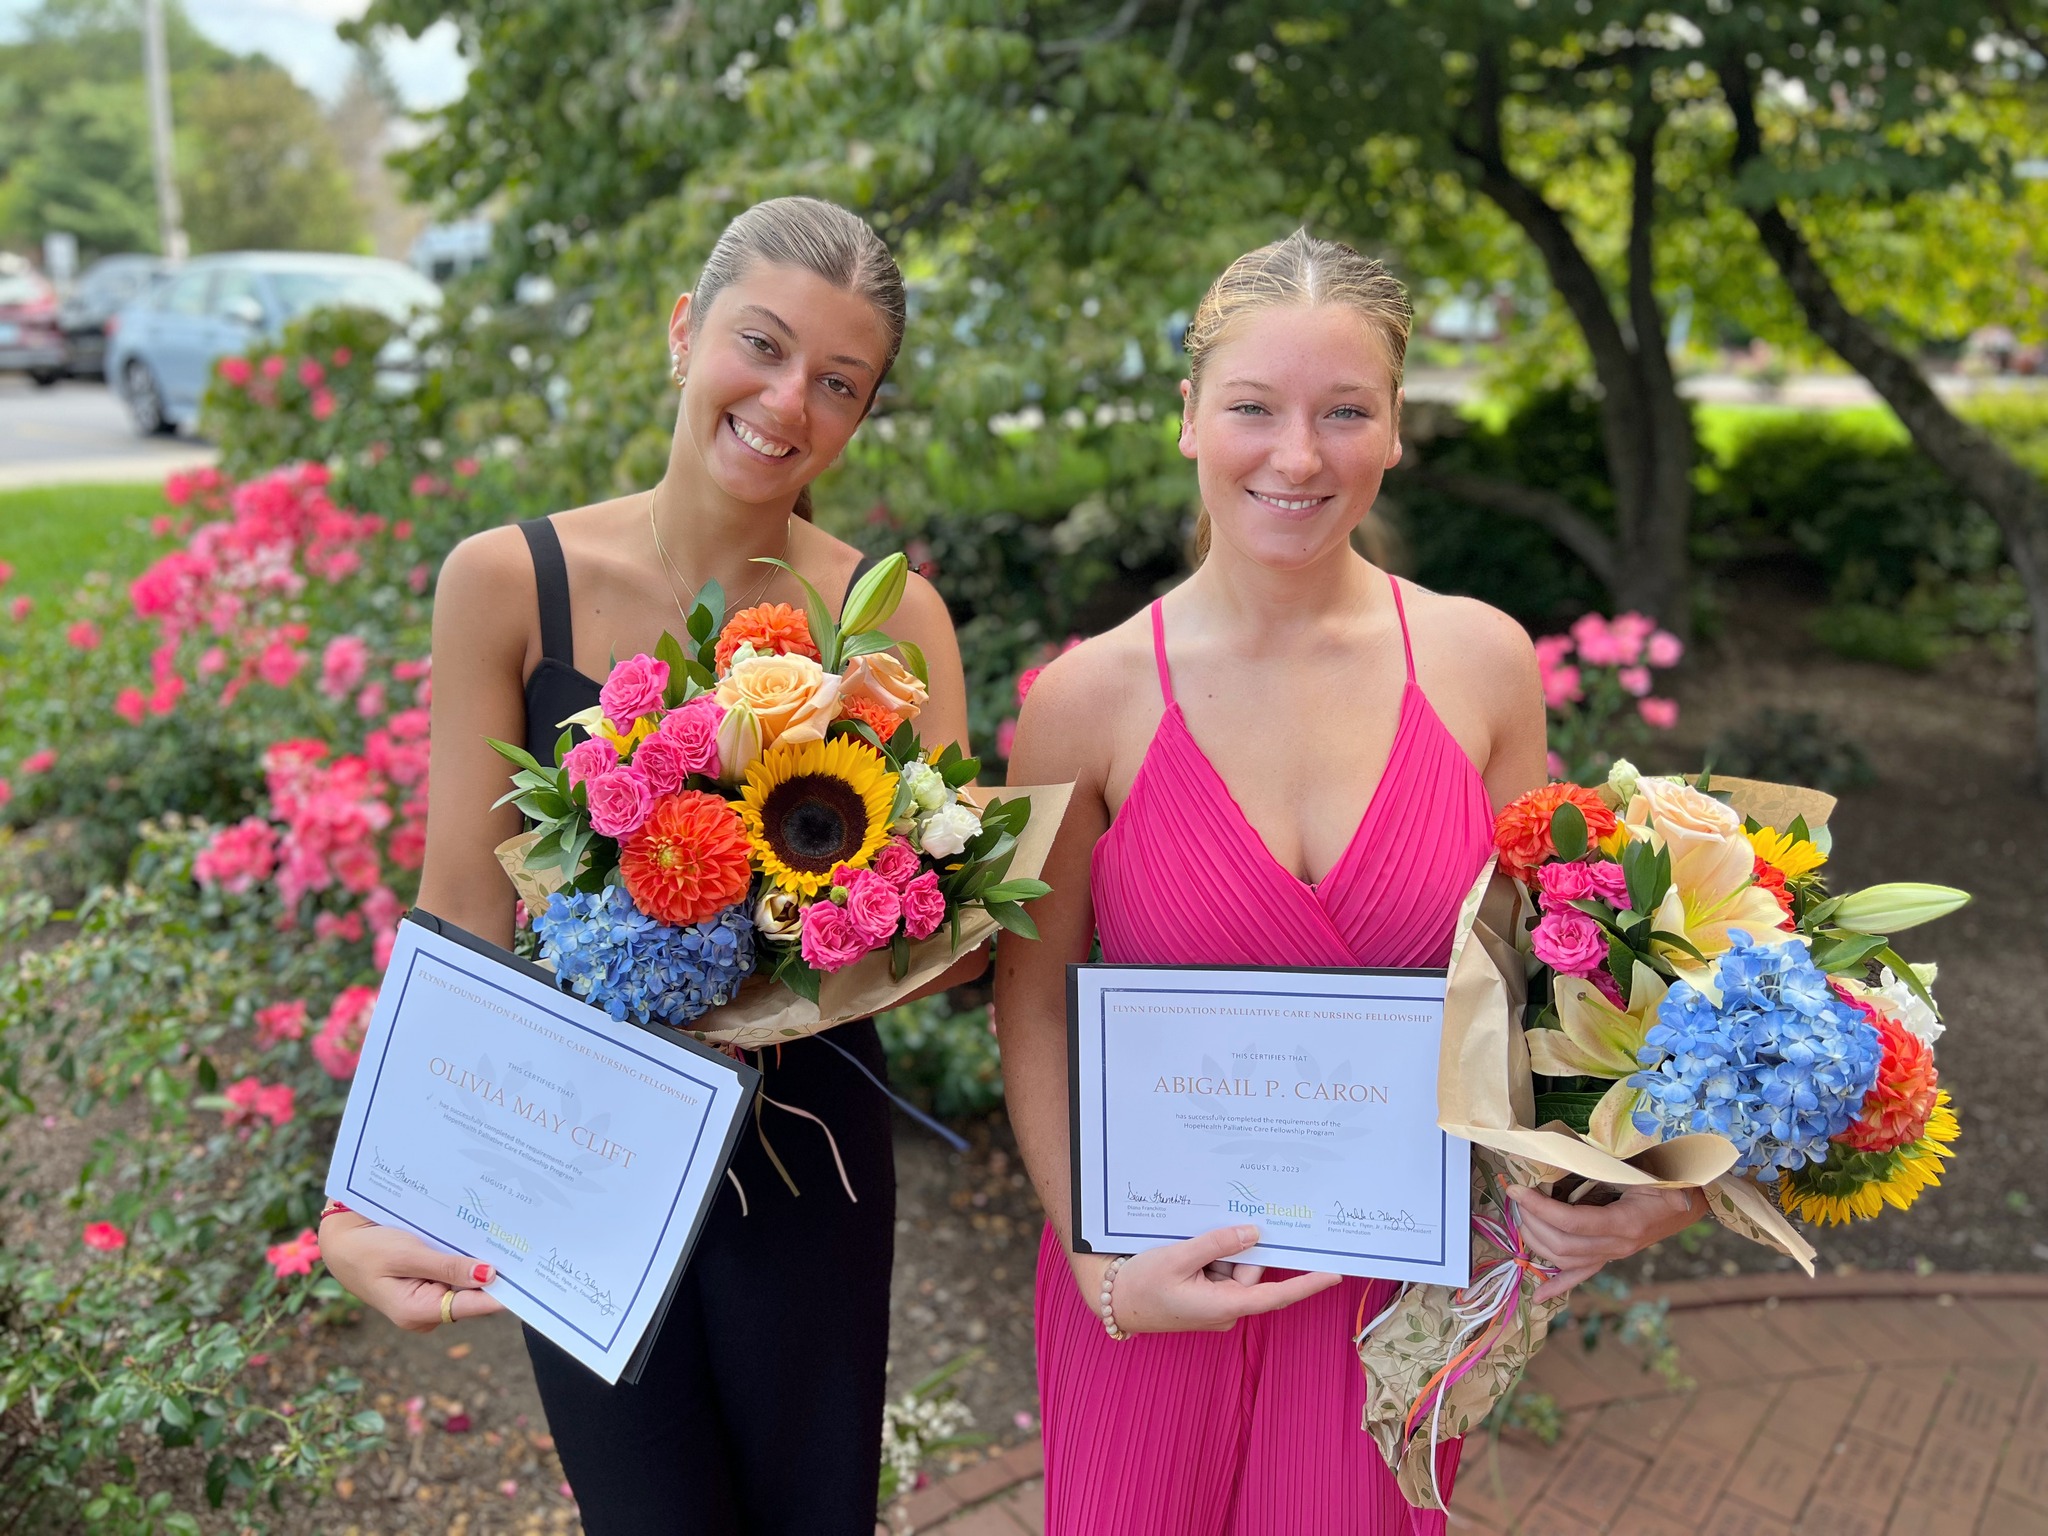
column 1568, row 832
column 796, row 974
column 668, row 649
column 1621, row 962
column 1574, row 1109
column 1847, row 954
column 1890, row 957
column 961, row 771
column 698, row 622
column 824, row 631
column 207, row 1074
column 518, row 756
column 1014, row 918
column 1017, row 890
column 899, row 956
column 1798, row 832
column 865, row 643
column 1677, row 941
column 913, row 658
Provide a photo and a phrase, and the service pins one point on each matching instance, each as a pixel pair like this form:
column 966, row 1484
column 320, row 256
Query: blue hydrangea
column 1780, row 1066
column 615, row 957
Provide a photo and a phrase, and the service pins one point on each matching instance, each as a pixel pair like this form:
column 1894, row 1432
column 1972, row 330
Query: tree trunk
column 1645, row 427
column 1981, row 469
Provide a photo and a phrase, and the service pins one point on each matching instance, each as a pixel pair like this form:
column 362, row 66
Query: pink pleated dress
column 1253, row 1432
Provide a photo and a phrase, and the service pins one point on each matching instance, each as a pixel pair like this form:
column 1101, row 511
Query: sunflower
column 811, row 807
column 1790, row 856
column 1855, row 1186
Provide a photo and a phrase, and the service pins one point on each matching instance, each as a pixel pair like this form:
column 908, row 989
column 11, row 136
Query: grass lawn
column 52, row 536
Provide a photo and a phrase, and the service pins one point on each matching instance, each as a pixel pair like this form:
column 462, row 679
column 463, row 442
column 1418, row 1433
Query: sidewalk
column 1859, row 1405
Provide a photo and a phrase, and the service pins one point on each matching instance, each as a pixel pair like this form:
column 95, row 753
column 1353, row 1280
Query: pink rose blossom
column 356, row 866
column 1025, row 681
column 85, row 635
column 104, row 1237
column 1664, row 649
column 1562, row 884
column 620, row 802
column 6, row 573
column 1610, row 884
column 1561, row 687
column 339, row 1045
column 664, row 760
column 20, row 608
column 311, row 374
column 402, row 529
column 280, row 663
column 160, row 526
column 1569, row 942
column 1006, row 736
column 322, row 404
column 40, row 762
column 1598, row 645
column 1608, row 987
column 238, row 856
column 381, row 947
column 1555, row 765
column 129, row 704
column 343, row 664
column 588, row 759
column 417, row 578
column 465, row 468
column 874, row 907
column 297, row 1256
column 212, row 661
column 6, row 792
column 924, row 906
column 1635, row 680
column 425, row 485
column 1658, row 714
column 1629, row 631
column 370, row 702
column 1551, row 651
column 280, row 1021
column 341, row 357
column 829, row 941
column 344, row 926
column 250, row 1100
column 694, row 728
column 633, row 689
column 273, row 366
column 896, row 862
column 235, row 371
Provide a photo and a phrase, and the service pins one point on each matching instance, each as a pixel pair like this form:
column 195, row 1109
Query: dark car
column 85, row 313
column 30, row 342
column 164, row 344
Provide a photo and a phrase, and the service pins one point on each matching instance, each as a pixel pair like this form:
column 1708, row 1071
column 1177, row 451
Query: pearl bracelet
column 1108, row 1309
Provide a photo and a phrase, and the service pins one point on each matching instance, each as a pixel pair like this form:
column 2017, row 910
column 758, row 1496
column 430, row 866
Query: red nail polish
column 481, row 1274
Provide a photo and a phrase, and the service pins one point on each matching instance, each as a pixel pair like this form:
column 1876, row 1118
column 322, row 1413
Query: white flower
column 927, row 787
column 779, row 915
column 945, row 832
column 1622, row 779
column 1905, row 1005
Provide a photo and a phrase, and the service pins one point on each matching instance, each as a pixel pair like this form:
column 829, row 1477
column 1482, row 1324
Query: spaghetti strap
column 1401, row 612
column 551, row 581
column 1159, row 652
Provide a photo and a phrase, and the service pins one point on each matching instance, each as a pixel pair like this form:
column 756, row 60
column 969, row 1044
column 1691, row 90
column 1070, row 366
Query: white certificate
column 504, row 1120
column 1300, row 1102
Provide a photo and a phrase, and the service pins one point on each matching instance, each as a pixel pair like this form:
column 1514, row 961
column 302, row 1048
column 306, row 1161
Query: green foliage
column 56, row 534
column 1792, row 747
column 260, row 170
column 942, row 1056
column 1865, row 632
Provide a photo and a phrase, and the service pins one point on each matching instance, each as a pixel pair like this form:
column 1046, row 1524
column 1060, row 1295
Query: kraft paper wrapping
column 764, row 1013
column 1485, row 1094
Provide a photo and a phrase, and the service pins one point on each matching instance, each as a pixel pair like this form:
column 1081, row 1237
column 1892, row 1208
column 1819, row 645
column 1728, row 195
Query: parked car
column 164, row 343
column 85, row 312
column 30, row 342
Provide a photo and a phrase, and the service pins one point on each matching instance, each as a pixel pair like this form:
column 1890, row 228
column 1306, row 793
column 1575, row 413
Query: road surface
column 78, row 433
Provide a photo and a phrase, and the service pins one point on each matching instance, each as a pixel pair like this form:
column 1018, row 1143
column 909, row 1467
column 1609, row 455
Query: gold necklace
column 671, row 574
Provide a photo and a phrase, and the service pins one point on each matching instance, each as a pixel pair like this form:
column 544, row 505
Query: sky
column 299, row 34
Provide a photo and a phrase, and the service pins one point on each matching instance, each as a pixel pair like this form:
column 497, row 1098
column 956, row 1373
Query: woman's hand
column 1582, row 1239
column 401, row 1276
column 1186, row 1286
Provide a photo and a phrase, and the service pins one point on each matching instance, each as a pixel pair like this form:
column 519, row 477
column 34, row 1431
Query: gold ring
column 447, row 1306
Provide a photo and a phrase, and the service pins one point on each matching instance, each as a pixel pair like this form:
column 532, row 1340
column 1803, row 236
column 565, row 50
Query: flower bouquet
column 751, row 843
column 1660, row 991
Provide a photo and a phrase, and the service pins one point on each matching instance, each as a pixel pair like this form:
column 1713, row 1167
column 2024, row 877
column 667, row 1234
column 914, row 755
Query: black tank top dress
column 759, row 1412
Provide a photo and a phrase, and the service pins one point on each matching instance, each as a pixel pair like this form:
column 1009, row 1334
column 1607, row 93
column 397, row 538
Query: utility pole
column 156, row 67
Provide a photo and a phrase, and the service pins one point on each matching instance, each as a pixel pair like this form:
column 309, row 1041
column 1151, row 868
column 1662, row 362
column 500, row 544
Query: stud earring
column 675, row 368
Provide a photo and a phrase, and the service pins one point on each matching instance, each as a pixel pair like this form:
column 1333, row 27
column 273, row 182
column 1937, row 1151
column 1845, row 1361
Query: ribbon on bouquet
column 1483, row 1311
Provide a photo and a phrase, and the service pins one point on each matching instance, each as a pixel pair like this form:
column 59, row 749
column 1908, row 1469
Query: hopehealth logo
column 1246, row 1201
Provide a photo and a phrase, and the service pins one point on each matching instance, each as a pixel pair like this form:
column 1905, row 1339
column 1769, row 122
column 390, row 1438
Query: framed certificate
column 502, row 1119
column 1301, row 1102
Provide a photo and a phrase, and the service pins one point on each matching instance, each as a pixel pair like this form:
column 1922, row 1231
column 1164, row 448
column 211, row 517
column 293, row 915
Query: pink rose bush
column 1599, row 688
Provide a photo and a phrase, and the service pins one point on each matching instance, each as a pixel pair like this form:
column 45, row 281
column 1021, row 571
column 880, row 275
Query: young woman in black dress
column 760, row 1408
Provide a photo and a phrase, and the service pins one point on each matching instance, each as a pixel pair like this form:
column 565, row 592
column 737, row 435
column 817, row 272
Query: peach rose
column 883, row 679
column 1683, row 817
column 791, row 697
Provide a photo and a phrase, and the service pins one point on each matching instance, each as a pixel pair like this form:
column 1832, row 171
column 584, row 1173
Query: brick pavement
column 1860, row 1405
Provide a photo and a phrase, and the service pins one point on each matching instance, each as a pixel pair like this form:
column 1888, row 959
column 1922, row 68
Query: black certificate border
column 747, row 1077
column 1080, row 1244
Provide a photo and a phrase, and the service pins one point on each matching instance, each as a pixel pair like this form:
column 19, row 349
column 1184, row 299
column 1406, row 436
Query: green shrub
column 1792, row 747
column 1892, row 637
column 943, row 1057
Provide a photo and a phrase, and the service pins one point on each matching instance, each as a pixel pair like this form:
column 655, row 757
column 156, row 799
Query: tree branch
column 1548, row 510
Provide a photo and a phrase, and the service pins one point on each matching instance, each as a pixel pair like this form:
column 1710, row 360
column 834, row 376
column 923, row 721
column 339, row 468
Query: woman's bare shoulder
column 1465, row 634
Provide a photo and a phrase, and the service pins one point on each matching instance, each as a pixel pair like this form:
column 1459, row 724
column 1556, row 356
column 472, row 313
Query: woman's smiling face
column 781, row 369
column 1295, row 426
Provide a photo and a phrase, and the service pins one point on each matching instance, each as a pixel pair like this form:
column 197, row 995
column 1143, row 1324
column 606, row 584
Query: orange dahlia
column 882, row 722
column 1896, row 1109
column 1772, row 879
column 771, row 629
column 1522, row 831
column 689, row 861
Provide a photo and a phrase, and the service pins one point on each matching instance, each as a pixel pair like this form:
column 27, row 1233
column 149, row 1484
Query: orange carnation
column 689, row 861
column 882, row 722
column 1896, row 1109
column 771, row 629
column 1772, row 879
column 1522, row 831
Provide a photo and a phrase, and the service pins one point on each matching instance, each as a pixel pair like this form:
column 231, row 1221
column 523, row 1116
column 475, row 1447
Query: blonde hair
column 1298, row 272
column 822, row 238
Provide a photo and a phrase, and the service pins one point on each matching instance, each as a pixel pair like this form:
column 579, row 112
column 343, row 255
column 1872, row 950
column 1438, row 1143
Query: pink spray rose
column 620, row 802
column 20, row 608
column 694, row 728
column 105, row 1237
column 1604, row 982
column 279, row 663
column 1569, row 942
column 1635, row 680
column 235, row 371
column 1658, row 714
column 1598, row 645
column 1664, row 649
column 1629, row 631
column 85, row 635
column 896, row 862
column 829, row 942
column 874, row 907
column 40, row 762
column 1610, row 884
column 238, row 856
column 665, row 762
column 588, row 759
column 1561, row 687
column 924, row 908
column 343, row 664
column 280, row 1021
column 1563, row 884
column 130, row 705
column 339, row 1045
column 297, row 1256
column 634, row 689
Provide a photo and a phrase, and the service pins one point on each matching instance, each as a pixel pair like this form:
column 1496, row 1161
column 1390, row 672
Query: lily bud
column 739, row 743
column 875, row 596
column 1889, row 908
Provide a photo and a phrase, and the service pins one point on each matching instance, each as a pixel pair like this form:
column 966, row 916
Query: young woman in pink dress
column 1292, row 759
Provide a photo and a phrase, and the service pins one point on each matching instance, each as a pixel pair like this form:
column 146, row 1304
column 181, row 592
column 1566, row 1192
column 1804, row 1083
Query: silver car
column 162, row 347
